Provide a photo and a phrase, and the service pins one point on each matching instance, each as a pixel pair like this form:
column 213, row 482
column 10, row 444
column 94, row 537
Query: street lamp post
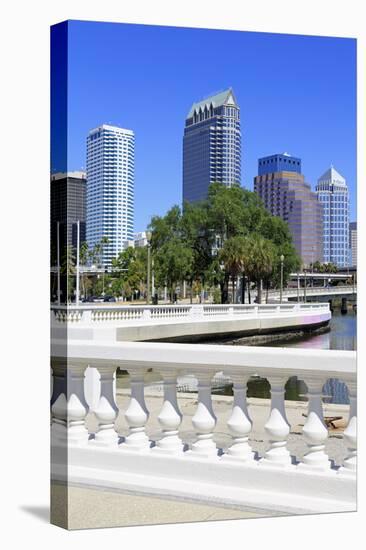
column 77, row 262
column 58, row 266
column 148, row 237
column 304, row 285
column 282, row 257
column 298, row 288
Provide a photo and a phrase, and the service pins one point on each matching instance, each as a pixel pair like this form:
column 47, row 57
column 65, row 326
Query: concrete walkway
column 92, row 508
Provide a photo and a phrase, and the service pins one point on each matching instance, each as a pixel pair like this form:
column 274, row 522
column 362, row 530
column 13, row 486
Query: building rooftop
column 225, row 97
column 332, row 176
column 110, row 127
column 61, row 175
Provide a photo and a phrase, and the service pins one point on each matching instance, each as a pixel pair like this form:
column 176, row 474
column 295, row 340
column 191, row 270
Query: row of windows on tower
column 270, row 161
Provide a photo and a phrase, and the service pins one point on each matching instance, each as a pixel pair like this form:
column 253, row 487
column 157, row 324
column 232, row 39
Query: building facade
column 211, row 145
column 352, row 239
column 139, row 240
column 68, row 206
column 110, row 188
column 284, row 192
column 333, row 194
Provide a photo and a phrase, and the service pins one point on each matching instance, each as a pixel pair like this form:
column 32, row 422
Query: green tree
column 225, row 221
column 68, row 270
column 234, row 256
column 173, row 261
column 129, row 272
column 261, row 259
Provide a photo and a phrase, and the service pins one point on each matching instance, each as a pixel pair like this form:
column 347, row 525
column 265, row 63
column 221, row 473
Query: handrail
column 254, row 359
column 99, row 313
column 147, row 459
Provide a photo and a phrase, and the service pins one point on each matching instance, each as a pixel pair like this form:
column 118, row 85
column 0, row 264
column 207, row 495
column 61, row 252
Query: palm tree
column 260, row 261
column 68, row 268
column 84, row 256
column 234, row 255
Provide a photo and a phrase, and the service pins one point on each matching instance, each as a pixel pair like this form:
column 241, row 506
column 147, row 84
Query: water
column 342, row 336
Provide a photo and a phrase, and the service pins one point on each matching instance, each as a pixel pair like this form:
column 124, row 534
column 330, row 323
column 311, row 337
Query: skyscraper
column 285, row 193
column 110, row 188
column 211, row 145
column 68, row 206
column 332, row 192
column 353, row 244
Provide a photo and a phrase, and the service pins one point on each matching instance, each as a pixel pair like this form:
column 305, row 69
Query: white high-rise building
column 110, row 188
column 333, row 194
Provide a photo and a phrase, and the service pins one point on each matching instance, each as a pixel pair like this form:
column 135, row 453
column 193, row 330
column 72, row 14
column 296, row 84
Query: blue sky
column 296, row 94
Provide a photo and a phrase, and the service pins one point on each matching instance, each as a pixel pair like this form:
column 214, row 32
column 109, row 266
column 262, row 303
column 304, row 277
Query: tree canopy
column 228, row 235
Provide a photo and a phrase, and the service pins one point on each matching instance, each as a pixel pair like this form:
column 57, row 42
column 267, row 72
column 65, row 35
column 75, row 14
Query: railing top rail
column 138, row 307
column 195, row 358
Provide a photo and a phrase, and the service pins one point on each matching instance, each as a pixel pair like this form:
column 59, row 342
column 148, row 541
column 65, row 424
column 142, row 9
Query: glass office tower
column 333, row 194
column 110, row 189
column 283, row 189
column 211, row 145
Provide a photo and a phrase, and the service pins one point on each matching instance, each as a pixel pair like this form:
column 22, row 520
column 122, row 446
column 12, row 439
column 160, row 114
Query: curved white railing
column 236, row 474
column 104, row 313
column 315, row 291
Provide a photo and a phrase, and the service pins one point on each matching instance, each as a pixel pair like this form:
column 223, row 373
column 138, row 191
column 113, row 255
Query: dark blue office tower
column 211, row 145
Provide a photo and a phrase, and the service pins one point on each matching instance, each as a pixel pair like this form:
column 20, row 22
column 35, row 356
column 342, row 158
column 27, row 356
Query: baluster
column 170, row 416
column 350, row 433
column 277, row 426
column 314, row 431
column 106, row 411
column 59, row 403
column 137, row 414
column 204, row 419
column 240, row 423
column 68, row 413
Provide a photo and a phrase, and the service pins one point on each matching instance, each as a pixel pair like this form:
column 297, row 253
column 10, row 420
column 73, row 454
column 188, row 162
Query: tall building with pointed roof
column 211, row 145
column 333, row 194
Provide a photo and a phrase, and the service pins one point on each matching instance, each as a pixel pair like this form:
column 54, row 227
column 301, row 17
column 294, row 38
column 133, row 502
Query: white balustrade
column 240, row 423
column 350, row 433
column 170, row 416
column 277, row 426
column 59, row 402
column 106, row 411
column 315, row 432
column 69, row 408
column 204, row 419
column 137, row 414
column 86, row 314
column 166, row 464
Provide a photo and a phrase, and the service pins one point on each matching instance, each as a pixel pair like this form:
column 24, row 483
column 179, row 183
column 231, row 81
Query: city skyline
column 314, row 120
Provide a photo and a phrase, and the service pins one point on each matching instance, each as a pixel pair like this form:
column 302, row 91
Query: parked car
column 109, row 299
